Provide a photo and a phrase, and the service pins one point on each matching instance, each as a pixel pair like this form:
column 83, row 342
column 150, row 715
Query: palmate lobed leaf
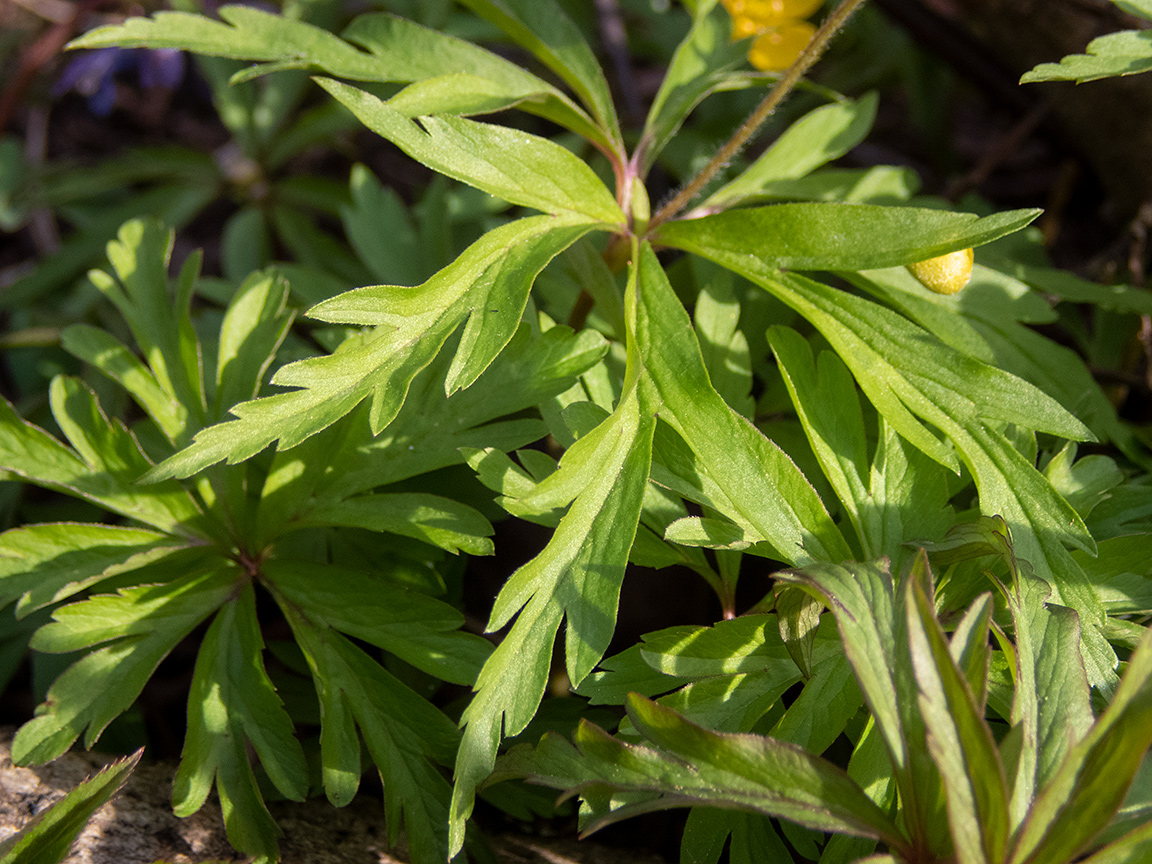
column 1090, row 784
column 431, row 432
column 404, row 735
column 232, row 703
column 959, row 739
column 544, row 29
column 44, row 564
column 716, row 456
column 515, row 166
column 693, row 765
column 1125, row 53
column 142, row 626
column 906, row 372
column 419, row 629
column 578, row 574
column 198, row 574
column 603, row 475
column 487, row 285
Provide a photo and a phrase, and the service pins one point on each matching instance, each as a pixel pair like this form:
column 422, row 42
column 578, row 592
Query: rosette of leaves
column 930, row 779
column 354, row 565
column 667, row 421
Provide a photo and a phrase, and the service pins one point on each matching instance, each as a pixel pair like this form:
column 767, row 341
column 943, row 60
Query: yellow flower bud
column 946, row 274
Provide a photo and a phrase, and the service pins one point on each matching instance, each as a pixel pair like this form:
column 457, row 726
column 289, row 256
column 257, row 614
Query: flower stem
column 788, row 80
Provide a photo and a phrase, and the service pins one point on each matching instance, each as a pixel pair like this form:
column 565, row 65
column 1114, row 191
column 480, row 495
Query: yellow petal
column 768, row 12
column 779, row 47
column 946, row 274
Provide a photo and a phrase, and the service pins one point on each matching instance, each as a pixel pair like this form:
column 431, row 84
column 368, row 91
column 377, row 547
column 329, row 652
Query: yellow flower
column 778, row 47
column 779, row 26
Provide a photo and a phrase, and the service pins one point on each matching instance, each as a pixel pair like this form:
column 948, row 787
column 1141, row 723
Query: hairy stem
column 763, row 111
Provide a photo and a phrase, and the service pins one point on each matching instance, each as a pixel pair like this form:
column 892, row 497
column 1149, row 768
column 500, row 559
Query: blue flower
column 93, row 74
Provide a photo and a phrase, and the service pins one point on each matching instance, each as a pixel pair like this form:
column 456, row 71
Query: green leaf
column 244, row 33
column 431, row 432
column 49, row 563
column 145, row 623
column 376, row 211
column 904, row 372
column 815, row 139
column 114, row 461
column 253, row 328
column 602, row 480
column 516, row 166
column 159, row 322
column 757, row 772
column 32, row 454
column 753, row 838
column 871, row 618
column 882, row 184
column 116, row 360
column 970, row 650
column 488, row 285
column 232, row 703
column 960, row 741
column 911, row 492
column 1010, row 486
column 1132, row 848
column 578, row 574
column 1051, row 699
column 400, row 50
column 799, row 615
column 48, row 837
column 413, row 52
column 1125, row 53
column 440, row 521
column 742, row 474
column 403, row 733
column 1068, row 286
column 987, row 321
column 859, row 329
column 709, row 533
column 1120, row 573
column 819, row 715
column 421, row 630
column 700, row 66
column 826, row 401
column 722, row 343
column 733, row 694
column 834, row 236
column 744, row 644
column 1091, row 782
column 542, row 27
